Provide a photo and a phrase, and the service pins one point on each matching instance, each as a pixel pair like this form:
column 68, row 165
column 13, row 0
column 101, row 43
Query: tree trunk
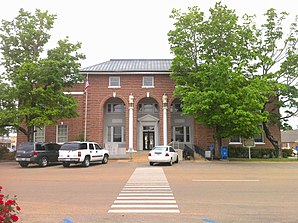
column 274, row 142
column 217, row 145
column 30, row 133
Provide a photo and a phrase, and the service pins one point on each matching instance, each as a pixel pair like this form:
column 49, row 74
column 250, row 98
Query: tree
column 210, row 68
column 277, row 63
column 31, row 94
column 235, row 76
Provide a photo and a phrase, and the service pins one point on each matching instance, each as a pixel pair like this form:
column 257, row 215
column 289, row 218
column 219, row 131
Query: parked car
column 37, row 153
column 163, row 154
column 82, row 152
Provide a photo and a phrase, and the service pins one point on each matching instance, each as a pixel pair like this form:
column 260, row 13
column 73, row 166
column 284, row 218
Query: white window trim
column 112, row 134
column 44, row 132
column 57, row 126
column 143, row 85
column 112, row 112
column 184, row 133
column 114, row 86
column 235, row 143
column 240, row 143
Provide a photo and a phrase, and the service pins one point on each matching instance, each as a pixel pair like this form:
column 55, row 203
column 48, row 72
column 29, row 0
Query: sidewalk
column 139, row 156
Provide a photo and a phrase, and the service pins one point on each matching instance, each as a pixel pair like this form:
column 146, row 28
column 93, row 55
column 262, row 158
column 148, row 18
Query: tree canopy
column 222, row 69
column 32, row 85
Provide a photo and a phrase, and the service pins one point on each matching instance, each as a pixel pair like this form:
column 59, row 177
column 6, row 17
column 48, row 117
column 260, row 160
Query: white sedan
column 163, row 154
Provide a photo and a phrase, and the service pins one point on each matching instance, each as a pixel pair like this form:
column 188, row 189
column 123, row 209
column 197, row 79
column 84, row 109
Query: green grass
column 292, row 159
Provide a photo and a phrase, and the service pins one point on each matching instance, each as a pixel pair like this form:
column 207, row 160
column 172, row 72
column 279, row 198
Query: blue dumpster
column 224, row 152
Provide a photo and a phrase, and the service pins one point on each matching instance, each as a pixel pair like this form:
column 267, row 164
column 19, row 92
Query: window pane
column 235, row 139
column 62, row 133
column 187, row 137
column 259, row 138
column 117, row 108
column 179, row 134
column 140, row 107
column 114, row 81
column 148, row 81
column 117, row 134
column 155, row 108
column 109, row 107
column 40, row 134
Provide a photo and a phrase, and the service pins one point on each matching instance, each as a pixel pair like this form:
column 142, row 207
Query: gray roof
column 289, row 136
column 131, row 65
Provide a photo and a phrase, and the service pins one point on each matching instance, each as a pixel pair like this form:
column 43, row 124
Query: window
column 97, row 147
column 114, row 82
column 91, row 147
column 235, row 140
column 259, row 138
column 39, row 135
column 116, row 134
column 181, row 133
column 148, row 82
column 115, row 108
column 176, row 108
column 62, row 133
column 148, row 108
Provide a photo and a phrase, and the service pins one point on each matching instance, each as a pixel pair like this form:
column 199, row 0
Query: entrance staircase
column 189, row 151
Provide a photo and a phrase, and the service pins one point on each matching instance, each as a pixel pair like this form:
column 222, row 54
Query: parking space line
column 226, row 180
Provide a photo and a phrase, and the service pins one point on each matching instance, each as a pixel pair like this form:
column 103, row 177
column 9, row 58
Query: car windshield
column 73, row 146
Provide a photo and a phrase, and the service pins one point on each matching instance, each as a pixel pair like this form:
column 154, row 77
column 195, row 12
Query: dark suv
column 39, row 153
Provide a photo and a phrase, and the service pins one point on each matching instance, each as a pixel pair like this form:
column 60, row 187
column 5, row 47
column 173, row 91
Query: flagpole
column 86, row 105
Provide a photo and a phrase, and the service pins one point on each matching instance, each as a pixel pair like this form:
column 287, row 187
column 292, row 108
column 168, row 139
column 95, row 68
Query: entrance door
column 148, row 140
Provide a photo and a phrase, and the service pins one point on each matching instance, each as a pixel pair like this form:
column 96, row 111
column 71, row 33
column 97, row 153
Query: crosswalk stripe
column 142, row 194
column 145, row 201
column 142, row 211
column 131, row 198
column 145, row 206
column 146, row 191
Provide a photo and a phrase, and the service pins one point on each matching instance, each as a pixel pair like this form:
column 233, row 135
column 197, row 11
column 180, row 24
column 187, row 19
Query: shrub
column 3, row 150
column 9, row 209
column 241, row 152
column 5, row 154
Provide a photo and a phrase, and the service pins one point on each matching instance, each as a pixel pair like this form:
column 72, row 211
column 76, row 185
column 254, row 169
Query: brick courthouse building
column 130, row 104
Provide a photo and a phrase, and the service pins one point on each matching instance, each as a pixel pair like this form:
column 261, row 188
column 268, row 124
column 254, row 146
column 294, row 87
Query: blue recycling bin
column 224, row 152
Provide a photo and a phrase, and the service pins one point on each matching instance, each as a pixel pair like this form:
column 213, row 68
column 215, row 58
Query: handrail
column 189, row 149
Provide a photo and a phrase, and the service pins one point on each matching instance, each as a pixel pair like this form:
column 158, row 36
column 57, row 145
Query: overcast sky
column 126, row 29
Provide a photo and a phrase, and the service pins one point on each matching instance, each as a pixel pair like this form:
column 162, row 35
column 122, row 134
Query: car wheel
column 43, row 162
column 105, row 159
column 65, row 164
column 151, row 163
column 171, row 163
column 86, row 162
column 24, row 164
column 177, row 160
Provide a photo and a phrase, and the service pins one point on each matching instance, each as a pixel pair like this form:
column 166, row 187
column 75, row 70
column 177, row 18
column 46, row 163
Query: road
column 124, row 191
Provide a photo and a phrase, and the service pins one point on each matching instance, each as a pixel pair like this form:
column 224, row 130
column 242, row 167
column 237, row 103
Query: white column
column 130, row 128
column 165, row 126
column 165, row 118
column 130, row 122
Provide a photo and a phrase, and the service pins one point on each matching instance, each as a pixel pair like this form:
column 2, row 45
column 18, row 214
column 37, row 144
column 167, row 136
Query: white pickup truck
column 82, row 152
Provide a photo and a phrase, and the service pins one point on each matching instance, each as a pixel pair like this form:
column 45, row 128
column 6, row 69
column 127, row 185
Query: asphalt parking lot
column 216, row 192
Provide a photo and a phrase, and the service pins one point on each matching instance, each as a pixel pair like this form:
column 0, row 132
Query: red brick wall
column 99, row 93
